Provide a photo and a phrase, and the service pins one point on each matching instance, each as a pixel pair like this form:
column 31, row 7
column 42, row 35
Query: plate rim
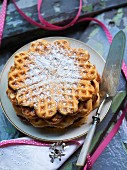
column 32, row 136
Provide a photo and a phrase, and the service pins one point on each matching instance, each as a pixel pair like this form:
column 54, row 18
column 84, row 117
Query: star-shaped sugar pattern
column 52, row 76
column 52, row 70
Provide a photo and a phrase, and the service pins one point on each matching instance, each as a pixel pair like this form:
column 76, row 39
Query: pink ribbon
column 48, row 26
column 31, row 142
column 107, row 140
column 2, row 18
column 124, row 69
column 54, row 27
column 23, row 142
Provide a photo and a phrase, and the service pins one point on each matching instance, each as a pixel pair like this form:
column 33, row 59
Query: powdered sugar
column 50, row 72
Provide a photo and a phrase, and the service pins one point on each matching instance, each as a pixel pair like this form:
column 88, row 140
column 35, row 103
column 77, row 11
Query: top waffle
column 52, row 78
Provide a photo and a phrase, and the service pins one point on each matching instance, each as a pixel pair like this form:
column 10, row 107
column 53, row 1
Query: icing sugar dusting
column 51, row 74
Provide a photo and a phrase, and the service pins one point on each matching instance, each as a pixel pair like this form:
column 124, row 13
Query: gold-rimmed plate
column 50, row 134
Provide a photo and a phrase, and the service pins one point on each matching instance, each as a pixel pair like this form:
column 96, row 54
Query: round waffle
column 53, row 84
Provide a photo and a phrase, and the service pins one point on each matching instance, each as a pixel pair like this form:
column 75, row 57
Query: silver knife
column 109, row 85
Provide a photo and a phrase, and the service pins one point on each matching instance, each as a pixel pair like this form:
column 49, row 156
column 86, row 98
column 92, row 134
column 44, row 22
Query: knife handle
column 85, row 148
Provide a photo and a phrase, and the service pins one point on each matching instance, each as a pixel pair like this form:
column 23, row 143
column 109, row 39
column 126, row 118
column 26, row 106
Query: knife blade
column 109, row 85
column 112, row 69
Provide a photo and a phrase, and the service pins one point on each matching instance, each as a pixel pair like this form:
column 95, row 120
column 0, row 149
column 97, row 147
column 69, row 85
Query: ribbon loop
column 54, row 27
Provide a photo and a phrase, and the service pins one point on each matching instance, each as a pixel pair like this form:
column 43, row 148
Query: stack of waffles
column 53, row 84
